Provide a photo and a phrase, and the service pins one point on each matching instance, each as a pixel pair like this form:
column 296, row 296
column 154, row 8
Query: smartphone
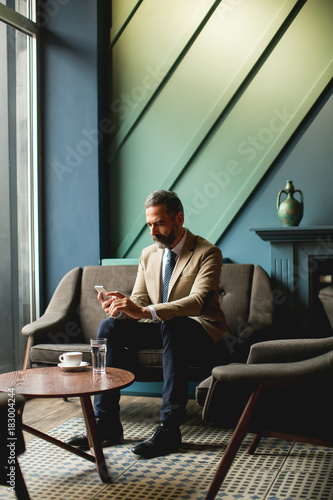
column 100, row 288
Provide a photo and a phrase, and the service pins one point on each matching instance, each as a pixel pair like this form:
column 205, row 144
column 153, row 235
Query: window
column 21, row 6
column 19, row 290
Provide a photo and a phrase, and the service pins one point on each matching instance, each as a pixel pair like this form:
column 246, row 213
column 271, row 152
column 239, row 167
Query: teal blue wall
column 69, row 146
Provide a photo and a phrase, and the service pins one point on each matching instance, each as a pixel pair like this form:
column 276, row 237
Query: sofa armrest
column 60, row 322
column 51, row 328
column 61, row 311
column 288, row 350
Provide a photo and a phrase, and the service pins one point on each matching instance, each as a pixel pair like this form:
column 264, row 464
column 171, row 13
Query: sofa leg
column 27, row 353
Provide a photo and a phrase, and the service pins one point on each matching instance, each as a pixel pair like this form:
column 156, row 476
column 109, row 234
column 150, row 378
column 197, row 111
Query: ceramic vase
column 290, row 210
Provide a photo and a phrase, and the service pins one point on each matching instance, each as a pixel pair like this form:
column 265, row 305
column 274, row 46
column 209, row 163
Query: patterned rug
column 278, row 471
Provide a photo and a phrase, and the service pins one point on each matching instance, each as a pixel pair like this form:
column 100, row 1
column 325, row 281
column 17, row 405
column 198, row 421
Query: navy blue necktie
column 169, row 266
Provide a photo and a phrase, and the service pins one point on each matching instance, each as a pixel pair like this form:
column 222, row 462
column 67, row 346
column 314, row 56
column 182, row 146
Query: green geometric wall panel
column 246, row 75
column 147, row 49
column 122, row 11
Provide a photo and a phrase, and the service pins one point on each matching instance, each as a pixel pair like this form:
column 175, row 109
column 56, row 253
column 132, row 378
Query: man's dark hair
column 168, row 199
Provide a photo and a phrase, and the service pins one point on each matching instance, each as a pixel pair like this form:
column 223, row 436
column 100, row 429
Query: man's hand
column 117, row 302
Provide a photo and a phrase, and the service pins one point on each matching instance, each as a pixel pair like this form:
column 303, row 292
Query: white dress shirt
column 177, row 250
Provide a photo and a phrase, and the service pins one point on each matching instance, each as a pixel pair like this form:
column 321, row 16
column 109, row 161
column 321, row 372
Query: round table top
column 55, row 382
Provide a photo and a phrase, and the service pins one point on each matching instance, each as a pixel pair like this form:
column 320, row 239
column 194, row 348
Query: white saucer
column 73, row 368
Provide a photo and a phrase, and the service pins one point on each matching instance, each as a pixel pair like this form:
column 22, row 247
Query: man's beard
column 166, row 241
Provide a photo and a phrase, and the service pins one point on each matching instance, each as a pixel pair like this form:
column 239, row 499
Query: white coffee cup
column 71, row 358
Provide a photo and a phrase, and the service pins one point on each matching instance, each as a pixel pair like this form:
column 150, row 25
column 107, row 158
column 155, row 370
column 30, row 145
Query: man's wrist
column 146, row 313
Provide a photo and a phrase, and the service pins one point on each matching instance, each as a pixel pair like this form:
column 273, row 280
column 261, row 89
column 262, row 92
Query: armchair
column 73, row 315
column 294, row 377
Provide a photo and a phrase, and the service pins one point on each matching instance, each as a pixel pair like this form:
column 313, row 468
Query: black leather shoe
column 108, row 435
column 164, row 440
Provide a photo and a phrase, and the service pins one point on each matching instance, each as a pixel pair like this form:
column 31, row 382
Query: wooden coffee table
column 56, row 383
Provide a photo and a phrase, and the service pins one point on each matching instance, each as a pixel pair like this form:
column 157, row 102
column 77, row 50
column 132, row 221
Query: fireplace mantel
column 281, row 234
column 300, row 258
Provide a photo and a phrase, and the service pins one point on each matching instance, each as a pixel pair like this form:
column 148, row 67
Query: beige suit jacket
column 194, row 285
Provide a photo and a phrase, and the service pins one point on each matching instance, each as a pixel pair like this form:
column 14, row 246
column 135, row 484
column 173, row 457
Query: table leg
column 94, row 444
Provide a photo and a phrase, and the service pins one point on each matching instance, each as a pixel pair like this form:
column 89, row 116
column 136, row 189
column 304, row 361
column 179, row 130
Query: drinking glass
column 98, row 355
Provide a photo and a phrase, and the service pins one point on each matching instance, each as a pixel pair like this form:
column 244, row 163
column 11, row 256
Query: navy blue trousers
column 183, row 340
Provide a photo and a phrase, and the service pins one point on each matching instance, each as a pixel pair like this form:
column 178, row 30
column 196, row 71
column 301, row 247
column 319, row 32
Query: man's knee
column 178, row 324
column 174, row 329
column 105, row 327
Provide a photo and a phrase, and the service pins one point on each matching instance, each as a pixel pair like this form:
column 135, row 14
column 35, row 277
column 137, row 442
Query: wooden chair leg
column 234, row 444
column 255, row 443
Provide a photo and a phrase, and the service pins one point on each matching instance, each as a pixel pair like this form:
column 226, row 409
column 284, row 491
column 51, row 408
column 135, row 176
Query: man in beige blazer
column 176, row 307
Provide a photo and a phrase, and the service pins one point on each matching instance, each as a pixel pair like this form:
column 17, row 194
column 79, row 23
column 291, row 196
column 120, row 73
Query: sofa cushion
column 150, row 357
column 48, row 354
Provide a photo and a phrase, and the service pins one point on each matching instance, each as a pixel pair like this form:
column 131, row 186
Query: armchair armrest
column 288, row 350
column 275, row 373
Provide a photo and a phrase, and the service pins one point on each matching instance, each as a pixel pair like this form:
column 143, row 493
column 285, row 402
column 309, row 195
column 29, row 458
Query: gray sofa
column 73, row 315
